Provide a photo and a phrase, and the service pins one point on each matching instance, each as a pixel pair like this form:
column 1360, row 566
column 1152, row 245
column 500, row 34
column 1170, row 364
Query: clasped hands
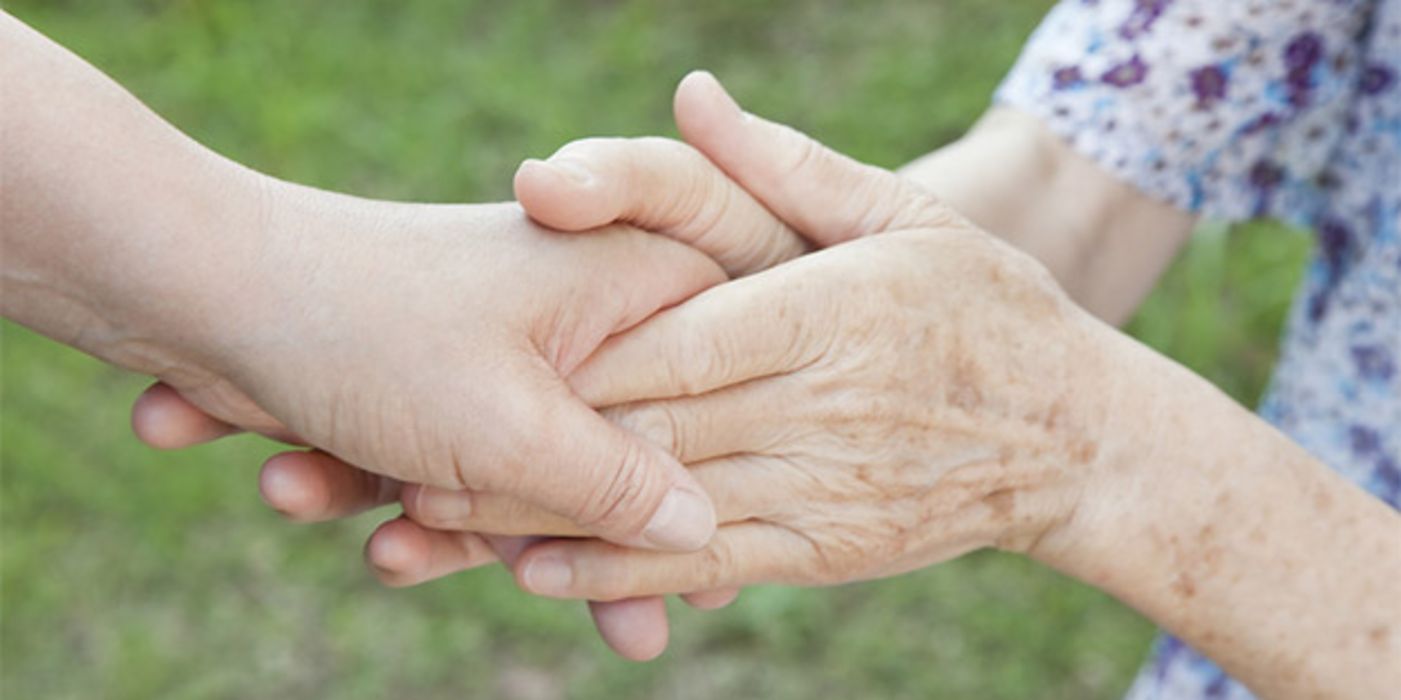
column 912, row 390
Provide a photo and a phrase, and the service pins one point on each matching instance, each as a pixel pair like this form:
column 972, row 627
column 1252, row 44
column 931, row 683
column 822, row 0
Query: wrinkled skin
column 878, row 406
column 838, row 409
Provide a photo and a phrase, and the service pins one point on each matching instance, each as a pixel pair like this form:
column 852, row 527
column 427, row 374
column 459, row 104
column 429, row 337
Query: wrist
column 1224, row 532
column 140, row 276
column 1137, row 402
column 121, row 235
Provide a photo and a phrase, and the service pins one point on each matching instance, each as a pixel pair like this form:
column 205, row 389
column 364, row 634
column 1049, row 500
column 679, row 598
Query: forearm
column 1228, row 534
column 113, row 222
column 1105, row 242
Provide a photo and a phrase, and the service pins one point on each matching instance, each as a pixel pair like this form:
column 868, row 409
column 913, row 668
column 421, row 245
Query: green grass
column 131, row 574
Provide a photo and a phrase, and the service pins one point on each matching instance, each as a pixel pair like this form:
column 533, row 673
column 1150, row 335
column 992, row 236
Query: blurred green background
column 131, row 574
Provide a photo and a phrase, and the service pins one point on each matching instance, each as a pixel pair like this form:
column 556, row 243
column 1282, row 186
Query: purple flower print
column 1209, row 84
column 1364, row 440
column 1145, row 14
column 1261, row 123
column 1266, row 175
column 1067, row 77
column 1301, row 54
column 1318, row 306
column 1388, row 476
column 1303, row 51
column 1376, row 79
column 1334, row 242
column 1219, row 686
column 1373, row 362
column 1126, row 74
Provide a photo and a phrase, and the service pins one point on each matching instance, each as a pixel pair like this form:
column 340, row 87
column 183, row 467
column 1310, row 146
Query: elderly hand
column 686, row 199
column 860, row 412
column 880, row 405
column 425, row 343
column 864, row 410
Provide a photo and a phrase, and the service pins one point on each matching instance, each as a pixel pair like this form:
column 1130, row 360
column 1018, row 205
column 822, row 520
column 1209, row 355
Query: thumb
column 825, row 196
column 660, row 185
column 565, row 457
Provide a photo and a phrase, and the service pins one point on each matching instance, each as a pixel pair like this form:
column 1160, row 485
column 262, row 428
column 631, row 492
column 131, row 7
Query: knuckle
column 693, row 364
column 706, row 205
column 655, row 423
column 717, row 563
column 803, row 154
column 697, row 203
column 440, row 509
column 920, row 208
column 617, row 502
column 888, row 202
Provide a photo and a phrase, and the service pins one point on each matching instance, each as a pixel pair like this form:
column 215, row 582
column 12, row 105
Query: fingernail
column 572, row 170
column 684, row 521
column 388, row 560
column 548, row 575
column 439, row 506
column 290, row 495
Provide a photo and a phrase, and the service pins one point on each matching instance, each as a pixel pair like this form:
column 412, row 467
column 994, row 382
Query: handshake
column 642, row 362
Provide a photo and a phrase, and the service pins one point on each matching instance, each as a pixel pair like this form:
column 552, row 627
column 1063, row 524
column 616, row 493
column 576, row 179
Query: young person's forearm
column 1228, row 534
column 111, row 219
column 1104, row 241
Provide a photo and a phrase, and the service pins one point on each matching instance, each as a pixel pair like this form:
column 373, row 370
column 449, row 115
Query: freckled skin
column 908, row 442
column 899, row 400
column 934, row 413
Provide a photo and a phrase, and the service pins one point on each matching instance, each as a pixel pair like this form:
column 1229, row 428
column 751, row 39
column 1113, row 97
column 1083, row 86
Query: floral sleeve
column 1227, row 108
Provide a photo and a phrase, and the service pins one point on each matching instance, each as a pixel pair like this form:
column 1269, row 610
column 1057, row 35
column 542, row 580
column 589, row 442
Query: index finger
column 735, row 332
column 660, row 185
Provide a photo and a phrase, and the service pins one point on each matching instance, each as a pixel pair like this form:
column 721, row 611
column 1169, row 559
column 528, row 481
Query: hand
column 679, row 202
column 426, row 343
column 126, row 239
column 665, row 187
column 858, row 412
column 685, row 197
column 861, row 412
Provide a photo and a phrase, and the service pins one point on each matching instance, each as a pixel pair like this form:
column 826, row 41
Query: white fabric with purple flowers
column 1246, row 108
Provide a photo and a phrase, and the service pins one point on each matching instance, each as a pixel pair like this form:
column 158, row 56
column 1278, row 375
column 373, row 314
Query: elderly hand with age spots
column 869, row 409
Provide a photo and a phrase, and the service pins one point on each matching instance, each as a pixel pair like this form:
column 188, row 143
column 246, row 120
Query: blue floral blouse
column 1236, row 109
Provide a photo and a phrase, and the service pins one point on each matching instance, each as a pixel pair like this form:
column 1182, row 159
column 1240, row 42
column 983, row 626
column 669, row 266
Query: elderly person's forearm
column 1222, row 530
